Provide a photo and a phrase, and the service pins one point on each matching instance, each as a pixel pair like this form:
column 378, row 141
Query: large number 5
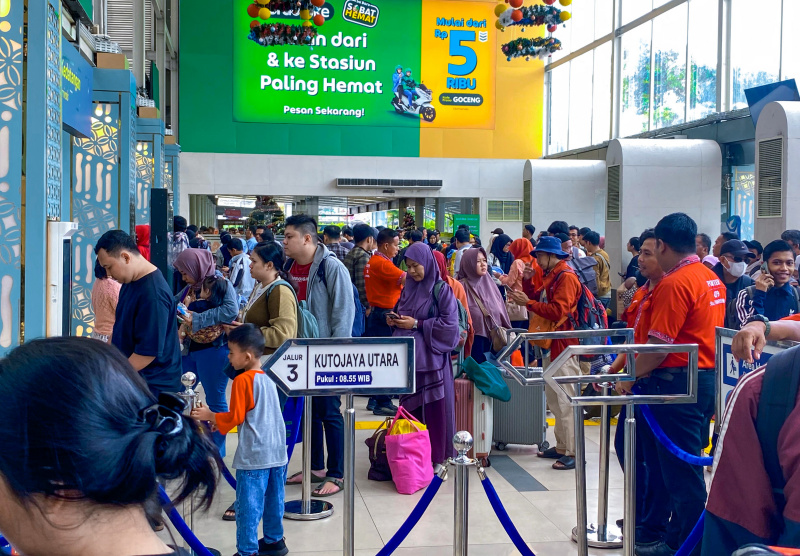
column 458, row 49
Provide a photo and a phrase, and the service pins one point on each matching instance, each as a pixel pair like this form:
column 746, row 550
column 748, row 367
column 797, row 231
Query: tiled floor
column 544, row 518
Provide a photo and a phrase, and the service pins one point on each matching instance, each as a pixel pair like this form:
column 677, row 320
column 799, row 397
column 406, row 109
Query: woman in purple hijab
column 474, row 275
column 435, row 331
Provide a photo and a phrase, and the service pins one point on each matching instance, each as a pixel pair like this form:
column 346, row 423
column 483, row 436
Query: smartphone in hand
column 392, row 315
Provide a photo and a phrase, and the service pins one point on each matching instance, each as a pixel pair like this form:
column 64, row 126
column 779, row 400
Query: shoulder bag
column 497, row 333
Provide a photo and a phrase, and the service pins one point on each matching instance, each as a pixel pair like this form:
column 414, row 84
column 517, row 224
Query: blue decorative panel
column 53, row 84
column 145, row 174
column 11, row 41
column 95, row 206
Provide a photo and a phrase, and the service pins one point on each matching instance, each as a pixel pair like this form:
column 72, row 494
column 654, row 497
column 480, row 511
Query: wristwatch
column 415, row 324
column 761, row 318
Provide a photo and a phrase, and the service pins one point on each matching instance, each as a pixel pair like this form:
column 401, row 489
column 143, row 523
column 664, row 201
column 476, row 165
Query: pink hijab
column 486, row 290
column 198, row 264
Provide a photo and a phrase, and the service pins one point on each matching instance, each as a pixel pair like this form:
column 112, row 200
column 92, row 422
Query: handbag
column 409, row 453
column 516, row 312
column 379, row 469
column 497, row 333
column 487, row 379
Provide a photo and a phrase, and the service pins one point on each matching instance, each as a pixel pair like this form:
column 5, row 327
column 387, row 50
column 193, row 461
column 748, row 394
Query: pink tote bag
column 409, row 453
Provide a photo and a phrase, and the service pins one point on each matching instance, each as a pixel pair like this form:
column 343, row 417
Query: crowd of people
column 237, row 302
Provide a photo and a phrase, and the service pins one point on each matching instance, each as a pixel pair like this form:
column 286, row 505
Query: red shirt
column 687, row 306
column 300, row 275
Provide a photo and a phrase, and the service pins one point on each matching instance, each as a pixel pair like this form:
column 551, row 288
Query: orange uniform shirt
column 383, row 282
column 687, row 306
column 637, row 315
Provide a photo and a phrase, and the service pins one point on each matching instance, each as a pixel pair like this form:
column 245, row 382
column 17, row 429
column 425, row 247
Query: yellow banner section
column 459, row 62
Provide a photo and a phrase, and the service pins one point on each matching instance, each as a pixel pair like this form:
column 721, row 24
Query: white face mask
column 737, row 269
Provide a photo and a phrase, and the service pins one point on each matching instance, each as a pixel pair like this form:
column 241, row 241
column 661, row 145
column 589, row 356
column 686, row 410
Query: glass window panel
column 559, row 109
column 634, row 113
column 669, row 69
column 791, row 41
column 601, row 94
column 703, row 53
column 564, row 34
column 580, row 101
column 632, row 9
column 582, row 23
column 603, row 18
column 754, row 56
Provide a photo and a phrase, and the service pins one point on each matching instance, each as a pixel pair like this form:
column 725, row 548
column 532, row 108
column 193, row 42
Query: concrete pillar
column 419, row 211
column 440, row 210
column 658, row 177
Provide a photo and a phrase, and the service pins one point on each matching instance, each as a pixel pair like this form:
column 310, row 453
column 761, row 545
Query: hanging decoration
column 267, row 32
column 528, row 16
column 539, row 47
column 280, row 34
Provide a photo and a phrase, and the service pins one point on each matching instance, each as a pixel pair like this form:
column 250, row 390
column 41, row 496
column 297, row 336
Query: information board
column 76, row 91
column 330, row 366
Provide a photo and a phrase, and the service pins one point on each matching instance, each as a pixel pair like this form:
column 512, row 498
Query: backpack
column 584, row 268
column 360, row 317
column 732, row 316
column 463, row 317
column 307, row 326
column 591, row 315
column 778, row 396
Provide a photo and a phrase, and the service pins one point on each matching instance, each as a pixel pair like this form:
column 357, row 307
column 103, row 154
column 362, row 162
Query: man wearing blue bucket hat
column 556, row 301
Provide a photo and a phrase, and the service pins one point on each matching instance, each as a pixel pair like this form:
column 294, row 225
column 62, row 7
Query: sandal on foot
column 338, row 482
column 550, row 453
column 314, row 479
column 230, row 513
column 564, row 463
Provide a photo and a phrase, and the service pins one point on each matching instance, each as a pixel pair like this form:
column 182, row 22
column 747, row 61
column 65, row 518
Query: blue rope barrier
column 694, row 537
column 668, row 443
column 5, row 546
column 227, row 474
column 413, row 518
column 180, row 525
column 504, row 518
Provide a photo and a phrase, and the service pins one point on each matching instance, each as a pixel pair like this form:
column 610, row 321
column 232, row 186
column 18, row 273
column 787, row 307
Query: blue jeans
column 207, row 364
column 259, row 495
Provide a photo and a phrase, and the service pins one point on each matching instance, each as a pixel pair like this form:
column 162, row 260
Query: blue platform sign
column 76, row 91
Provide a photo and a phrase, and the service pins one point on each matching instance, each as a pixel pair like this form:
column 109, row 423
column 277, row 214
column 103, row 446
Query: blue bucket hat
column 550, row 244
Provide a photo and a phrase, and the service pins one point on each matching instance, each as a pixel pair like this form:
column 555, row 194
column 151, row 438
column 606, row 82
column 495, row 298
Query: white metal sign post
column 333, row 367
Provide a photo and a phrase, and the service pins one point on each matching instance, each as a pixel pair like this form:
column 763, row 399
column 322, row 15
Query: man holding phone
column 773, row 297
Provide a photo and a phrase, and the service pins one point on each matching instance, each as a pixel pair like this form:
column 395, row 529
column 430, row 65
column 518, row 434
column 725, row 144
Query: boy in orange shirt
column 260, row 459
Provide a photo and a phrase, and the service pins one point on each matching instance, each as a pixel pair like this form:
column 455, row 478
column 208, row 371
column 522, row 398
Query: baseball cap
column 736, row 248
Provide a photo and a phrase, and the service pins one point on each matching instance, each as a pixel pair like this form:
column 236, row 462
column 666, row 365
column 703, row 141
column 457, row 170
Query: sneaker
column 371, row 404
column 386, row 411
column 272, row 549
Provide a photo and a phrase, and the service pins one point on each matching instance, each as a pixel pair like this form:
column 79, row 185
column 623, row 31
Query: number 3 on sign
column 459, row 49
column 292, row 376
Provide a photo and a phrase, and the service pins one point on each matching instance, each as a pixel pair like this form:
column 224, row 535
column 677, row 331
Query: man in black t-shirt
column 146, row 327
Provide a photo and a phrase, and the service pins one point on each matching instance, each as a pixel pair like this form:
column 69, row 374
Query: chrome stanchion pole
column 629, row 532
column 601, row 535
column 462, row 442
column 349, row 475
column 580, row 482
column 188, row 380
column 307, row 509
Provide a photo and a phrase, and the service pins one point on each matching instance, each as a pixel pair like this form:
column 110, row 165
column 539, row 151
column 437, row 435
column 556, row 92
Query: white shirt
column 242, row 282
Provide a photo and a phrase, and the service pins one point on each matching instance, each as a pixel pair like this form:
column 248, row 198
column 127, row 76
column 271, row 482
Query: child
column 212, row 294
column 260, row 459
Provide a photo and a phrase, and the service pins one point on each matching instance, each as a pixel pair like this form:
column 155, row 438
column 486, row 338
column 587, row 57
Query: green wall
column 206, row 101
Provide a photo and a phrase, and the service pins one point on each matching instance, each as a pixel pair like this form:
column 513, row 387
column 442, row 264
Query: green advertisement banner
column 365, row 65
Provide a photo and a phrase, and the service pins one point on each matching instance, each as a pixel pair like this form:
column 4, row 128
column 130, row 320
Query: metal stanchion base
column 613, row 537
column 319, row 510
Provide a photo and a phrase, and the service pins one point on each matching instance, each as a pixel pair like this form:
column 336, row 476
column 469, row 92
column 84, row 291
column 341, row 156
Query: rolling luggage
column 474, row 414
column 521, row 420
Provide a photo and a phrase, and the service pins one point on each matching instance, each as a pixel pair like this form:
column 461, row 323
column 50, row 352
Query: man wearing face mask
column 733, row 258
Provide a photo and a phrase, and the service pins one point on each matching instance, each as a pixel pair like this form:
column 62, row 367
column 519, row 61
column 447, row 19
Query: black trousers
column 376, row 327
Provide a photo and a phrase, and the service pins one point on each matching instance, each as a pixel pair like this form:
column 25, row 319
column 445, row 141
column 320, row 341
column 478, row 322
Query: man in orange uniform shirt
column 686, row 306
column 384, row 283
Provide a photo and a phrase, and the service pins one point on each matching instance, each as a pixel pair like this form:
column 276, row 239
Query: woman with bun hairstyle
column 82, row 447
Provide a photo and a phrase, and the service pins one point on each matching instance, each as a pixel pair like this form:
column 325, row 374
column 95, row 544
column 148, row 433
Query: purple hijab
column 486, row 290
column 436, row 337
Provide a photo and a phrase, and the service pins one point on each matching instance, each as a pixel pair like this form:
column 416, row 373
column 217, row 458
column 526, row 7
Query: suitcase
column 522, row 419
column 474, row 414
